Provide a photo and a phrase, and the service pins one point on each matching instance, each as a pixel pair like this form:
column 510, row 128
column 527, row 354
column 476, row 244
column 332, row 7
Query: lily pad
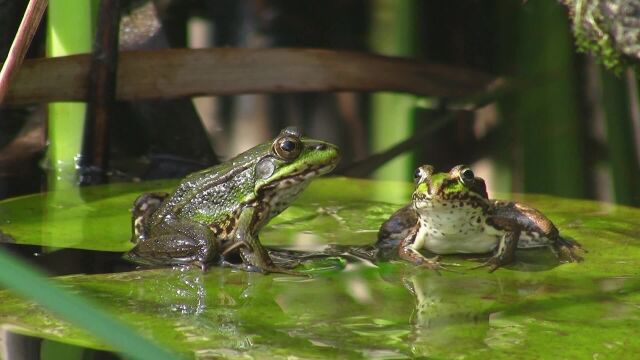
column 535, row 308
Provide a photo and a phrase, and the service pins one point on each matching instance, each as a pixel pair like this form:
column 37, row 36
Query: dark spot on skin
column 230, row 225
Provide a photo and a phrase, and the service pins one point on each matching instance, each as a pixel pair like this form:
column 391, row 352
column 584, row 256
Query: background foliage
column 564, row 125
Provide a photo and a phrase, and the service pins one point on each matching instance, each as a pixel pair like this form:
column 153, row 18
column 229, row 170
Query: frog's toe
column 568, row 250
column 242, row 266
column 493, row 263
column 234, row 246
column 433, row 264
column 568, row 254
column 281, row 270
column 199, row 264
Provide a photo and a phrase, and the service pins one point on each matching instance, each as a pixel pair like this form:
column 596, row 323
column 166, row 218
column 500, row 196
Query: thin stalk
column 21, row 42
column 93, row 161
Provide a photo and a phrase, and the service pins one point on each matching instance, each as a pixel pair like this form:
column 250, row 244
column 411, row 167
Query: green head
column 292, row 160
column 460, row 183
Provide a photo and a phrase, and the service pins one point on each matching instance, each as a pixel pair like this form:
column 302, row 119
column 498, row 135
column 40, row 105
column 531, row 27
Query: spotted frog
column 450, row 213
column 216, row 214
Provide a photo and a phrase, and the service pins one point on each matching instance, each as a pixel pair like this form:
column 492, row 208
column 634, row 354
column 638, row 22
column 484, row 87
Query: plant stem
column 393, row 33
column 21, row 42
column 69, row 31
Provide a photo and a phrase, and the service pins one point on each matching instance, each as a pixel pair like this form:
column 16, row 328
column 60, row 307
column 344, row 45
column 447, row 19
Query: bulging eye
column 467, row 176
column 287, row 147
column 417, row 175
column 422, row 173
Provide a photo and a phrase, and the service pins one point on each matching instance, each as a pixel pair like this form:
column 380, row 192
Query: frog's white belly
column 460, row 231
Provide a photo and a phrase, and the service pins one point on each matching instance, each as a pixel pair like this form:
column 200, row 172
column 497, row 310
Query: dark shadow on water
column 56, row 262
column 22, row 347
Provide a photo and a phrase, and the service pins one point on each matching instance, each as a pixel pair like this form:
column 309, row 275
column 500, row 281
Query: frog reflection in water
column 216, row 214
column 451, row 213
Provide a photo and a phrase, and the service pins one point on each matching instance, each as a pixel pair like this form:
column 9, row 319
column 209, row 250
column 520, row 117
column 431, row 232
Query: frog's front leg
column 505, row 251
column 409, row 251
column 254, row 256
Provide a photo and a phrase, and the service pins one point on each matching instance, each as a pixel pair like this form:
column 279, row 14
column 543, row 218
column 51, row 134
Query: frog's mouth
column 301, row 176
column 422, row 197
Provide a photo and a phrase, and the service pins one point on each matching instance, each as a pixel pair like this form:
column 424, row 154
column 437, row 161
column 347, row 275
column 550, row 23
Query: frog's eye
column 287, row 147
column 417, row 175
column 422, row 173
column 467, row 176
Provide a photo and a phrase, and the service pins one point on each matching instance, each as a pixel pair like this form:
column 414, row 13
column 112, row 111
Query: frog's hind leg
column 567, row 249
column 143, row 208
column 179, row 244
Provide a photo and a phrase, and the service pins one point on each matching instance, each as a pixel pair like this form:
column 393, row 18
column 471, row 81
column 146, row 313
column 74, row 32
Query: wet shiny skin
column 216, row 214
column 451, row 213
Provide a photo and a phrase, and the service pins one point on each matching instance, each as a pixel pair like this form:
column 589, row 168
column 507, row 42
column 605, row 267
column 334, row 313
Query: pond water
column 535, row 308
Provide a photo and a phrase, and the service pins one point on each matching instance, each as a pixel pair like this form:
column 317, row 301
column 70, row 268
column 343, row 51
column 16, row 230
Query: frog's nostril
column 321, row 147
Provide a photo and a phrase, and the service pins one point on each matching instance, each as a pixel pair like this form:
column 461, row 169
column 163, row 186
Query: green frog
column 214, row 215
column 450, row 213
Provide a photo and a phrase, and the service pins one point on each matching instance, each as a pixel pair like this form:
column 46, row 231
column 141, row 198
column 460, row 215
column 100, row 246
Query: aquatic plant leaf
column 19, row 277
column 535, row 308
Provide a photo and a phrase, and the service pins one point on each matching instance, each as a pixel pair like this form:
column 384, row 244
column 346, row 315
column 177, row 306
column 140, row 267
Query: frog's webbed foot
column 567, row 249
column 287, row 259
column 407, row 252
column 255, row 261
column 244, row 266
column 264, row 269
column 416, row 258
column 493, row 263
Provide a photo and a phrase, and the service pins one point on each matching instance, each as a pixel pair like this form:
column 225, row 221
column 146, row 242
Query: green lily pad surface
column 535, row 308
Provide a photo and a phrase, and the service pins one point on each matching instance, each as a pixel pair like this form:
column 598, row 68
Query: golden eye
column 467, row 176
column 287, row 147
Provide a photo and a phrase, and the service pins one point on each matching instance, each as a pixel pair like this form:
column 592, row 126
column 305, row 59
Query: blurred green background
column 565, row 126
